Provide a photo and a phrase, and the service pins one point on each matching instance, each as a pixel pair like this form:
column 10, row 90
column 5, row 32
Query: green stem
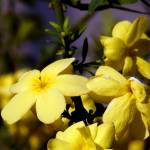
column 57, row 5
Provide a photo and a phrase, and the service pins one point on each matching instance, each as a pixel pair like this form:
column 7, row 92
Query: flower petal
column 139, row 125
column 129, row 66
column 136, row 29
column 144, row 108
column 25, row 81
column 72, row 135
column 104, row 86
column 117, row 65
column 111, row 73
column 72, row 85
column 121, row 112
column 114, row 48
column 143, row 67
column 87, row 141
column 57, row 67
column 56, row 144
column 50, row 105
column 105, row 130
column 138, row 90
column 136, row 145
column 18, row 106
column 93, row 130
column 120, row 29
column 100, row 99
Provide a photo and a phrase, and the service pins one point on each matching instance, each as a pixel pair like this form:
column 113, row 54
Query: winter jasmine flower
column 128, row 43
column 46, row 89
column 129, row 102
column 79, row 136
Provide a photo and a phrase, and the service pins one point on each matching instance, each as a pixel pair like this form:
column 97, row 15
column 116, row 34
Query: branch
column 129, row 10
column 83, row 7
column 145, row 2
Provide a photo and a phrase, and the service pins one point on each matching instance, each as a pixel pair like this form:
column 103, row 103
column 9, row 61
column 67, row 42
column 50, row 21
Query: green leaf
column 96, row 3
column 66, row 27
column 56, row 26
column 54, row 33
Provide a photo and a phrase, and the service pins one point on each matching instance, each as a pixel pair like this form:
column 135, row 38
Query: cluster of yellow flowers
column 127, row 116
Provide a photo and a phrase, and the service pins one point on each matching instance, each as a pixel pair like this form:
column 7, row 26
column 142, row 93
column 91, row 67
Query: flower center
column 42, row 84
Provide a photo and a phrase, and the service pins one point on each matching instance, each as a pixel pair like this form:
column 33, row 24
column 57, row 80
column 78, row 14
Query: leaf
column 66, row 23
column 84, row 50
column 56, row 26
column 96, row 3
column 54, row 33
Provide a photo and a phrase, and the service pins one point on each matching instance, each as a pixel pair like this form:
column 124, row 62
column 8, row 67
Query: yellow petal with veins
column 50, row 105
column 139, row 124
column 136, row 29
column 18, row 106
column 143, row 67
column 72, row 85
column 138, row 90
column 120, row 111
column 111, row 73
column 105, row 86
column 144, row 108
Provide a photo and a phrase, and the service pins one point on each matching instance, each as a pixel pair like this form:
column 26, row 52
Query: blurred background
column 25, row 43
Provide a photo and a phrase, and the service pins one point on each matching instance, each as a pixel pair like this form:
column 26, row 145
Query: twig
column 83, row 7
column 145, row 2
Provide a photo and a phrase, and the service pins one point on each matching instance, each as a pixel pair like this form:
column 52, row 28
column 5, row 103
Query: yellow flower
column 127, row 44
column 79, row 136
column 129, row 106
column 47, row 89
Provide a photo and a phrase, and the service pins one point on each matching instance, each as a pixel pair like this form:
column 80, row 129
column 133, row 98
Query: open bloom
column 47, row 89
column 128, row 43
column 79, row 136
column 129, row 106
